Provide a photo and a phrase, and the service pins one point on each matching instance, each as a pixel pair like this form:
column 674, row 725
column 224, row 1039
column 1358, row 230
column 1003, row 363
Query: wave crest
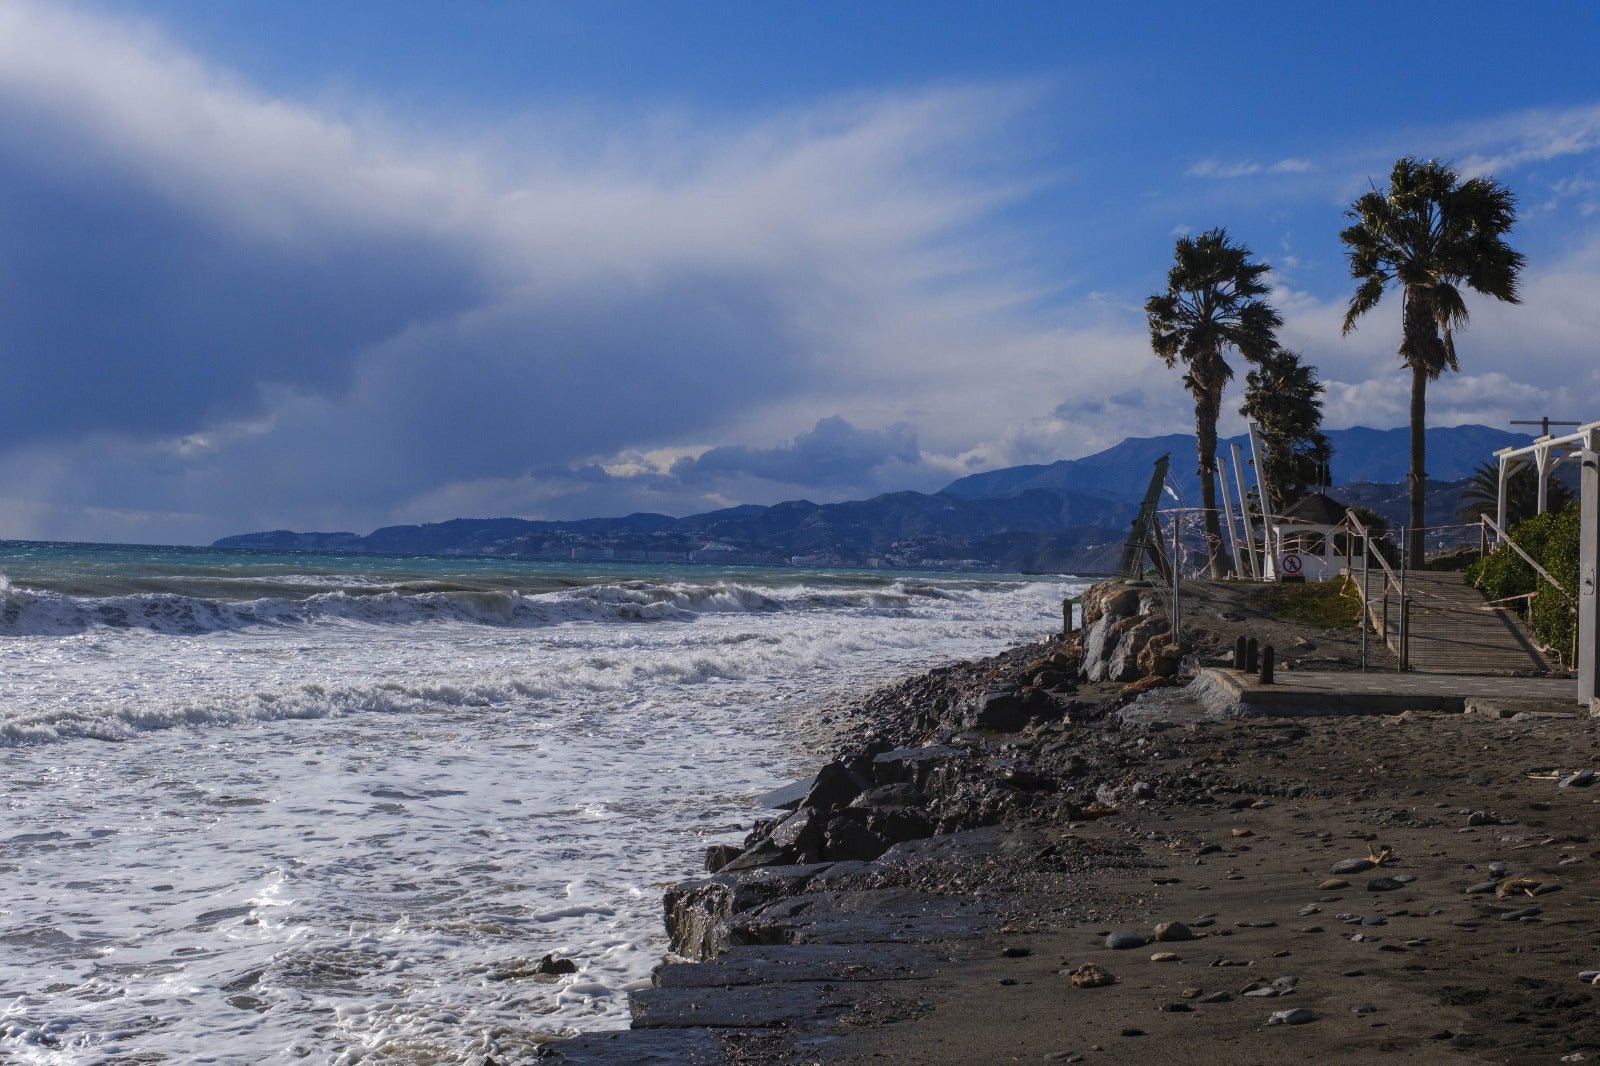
column 38, row 613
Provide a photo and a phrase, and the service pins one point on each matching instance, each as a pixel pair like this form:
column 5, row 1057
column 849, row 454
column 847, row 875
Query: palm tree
column 1212, row 303
column 1283, row 396
column 1482, row 494
column 1431, row 233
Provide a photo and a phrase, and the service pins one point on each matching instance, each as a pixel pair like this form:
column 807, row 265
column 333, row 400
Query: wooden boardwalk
column 1453, row 630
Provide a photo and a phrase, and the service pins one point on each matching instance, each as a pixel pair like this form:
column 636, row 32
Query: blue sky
column 333, row 266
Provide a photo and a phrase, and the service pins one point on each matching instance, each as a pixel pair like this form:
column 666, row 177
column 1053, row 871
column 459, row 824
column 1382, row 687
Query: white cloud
column 1211, row 168
column 1291, row 166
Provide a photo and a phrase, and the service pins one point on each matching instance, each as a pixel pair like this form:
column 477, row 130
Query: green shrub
column 1552, row 539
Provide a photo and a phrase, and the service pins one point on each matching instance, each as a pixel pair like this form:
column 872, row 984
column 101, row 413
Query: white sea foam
column 338, row 828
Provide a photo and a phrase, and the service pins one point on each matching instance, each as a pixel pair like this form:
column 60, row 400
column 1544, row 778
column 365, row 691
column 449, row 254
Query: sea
column 323, row 808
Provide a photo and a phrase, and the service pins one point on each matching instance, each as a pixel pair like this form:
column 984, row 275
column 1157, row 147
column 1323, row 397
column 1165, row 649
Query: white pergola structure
column 1546, row 453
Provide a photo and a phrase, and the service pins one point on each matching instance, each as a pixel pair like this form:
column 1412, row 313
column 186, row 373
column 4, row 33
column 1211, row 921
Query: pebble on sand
column 1091, row 976
column 1169, row 932
column 1296, row 1016
column 1121, row 939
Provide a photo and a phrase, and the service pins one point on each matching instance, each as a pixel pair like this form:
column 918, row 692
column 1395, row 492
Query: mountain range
column 1066, row 516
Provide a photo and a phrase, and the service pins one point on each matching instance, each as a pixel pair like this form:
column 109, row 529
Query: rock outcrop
column 1127, row 633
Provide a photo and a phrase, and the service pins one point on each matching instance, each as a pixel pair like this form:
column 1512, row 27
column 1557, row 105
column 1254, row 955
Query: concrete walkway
column 1305, row 693
column 1453, row 630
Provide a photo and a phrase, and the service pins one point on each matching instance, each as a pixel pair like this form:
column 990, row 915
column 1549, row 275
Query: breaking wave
column 25, row 612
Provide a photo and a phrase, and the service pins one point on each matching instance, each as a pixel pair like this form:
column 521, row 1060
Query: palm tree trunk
column 1418, row 477
column 1207, row 403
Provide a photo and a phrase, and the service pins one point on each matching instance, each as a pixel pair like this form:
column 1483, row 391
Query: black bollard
column 1268, row 661
column 1252, row 652
column 1239, row 653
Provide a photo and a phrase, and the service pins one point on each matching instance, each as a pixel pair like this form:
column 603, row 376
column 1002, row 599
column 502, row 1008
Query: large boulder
column 1125, row 619
column 1133, row 636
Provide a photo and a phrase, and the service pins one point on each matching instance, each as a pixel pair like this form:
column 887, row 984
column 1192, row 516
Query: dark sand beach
column 1414, row 887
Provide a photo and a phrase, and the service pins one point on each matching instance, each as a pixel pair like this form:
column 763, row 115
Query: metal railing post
column 1366, row 609
column 1405, row 633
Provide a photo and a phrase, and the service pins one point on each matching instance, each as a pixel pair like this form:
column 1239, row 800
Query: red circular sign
column 1291, row 565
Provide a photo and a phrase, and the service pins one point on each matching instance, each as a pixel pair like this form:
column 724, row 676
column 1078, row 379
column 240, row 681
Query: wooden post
column 1066, row 618
column 1269, row 658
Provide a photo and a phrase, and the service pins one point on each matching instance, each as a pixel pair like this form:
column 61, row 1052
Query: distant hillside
column 1069, row 516
column 1039, row 529
column 1359, row 455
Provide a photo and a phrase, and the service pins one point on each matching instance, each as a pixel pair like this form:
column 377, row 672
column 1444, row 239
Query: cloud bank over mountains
column 222, row 310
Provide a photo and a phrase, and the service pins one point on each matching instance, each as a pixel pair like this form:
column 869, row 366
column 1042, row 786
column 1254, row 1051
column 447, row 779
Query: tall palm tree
column 1212, row 303
column 1432, row 233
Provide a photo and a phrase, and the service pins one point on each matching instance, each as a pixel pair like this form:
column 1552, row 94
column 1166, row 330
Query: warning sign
column 1292, row 564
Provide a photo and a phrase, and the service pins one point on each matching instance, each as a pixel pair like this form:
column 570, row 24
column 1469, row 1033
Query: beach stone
column 1383, row 884
column 1121, row 939
column 720, row 855
column 1296, row 1016
column 1333, row 884
column 1171, row 932
column 1002, row 710
column 1582, row 779
column 897, row 795
column 801, row 831
column 851, row 837
column 1351, row 866
column 1091, row 976
column 550, row 965
column 835, row 786
column 1216, row 997
column 761, row 853
column 1016, row 952
column 1164, row 956
column 1364, row 1008
column 1280, row 986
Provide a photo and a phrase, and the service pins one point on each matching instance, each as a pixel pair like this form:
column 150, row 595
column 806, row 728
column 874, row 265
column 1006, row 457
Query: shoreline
column 944, row 889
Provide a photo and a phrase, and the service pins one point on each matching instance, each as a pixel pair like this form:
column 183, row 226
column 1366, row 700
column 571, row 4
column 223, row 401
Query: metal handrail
column 1390, row 580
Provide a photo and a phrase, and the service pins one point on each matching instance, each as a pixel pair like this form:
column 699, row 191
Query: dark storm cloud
column 125, row 311
column 223, row 310
column 833, row 452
